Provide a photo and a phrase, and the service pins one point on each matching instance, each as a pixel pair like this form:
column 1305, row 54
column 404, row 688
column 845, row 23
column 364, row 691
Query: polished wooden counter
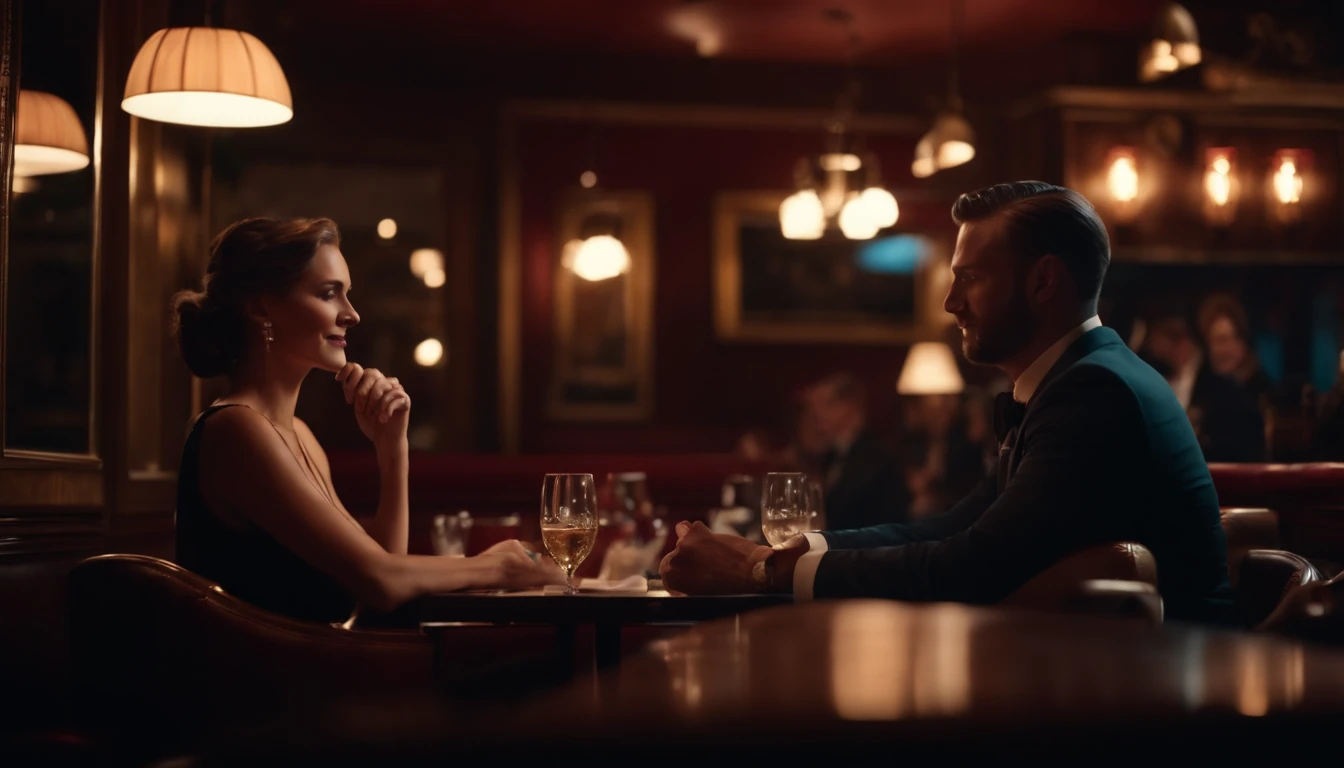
column 866, row 677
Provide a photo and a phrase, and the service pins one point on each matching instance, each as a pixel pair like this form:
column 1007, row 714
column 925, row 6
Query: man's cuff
column 815, row 542
column 805, row 574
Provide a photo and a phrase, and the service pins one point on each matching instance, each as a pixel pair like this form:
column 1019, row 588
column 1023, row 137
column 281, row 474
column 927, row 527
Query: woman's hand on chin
column 382, row 407
column 514, row 566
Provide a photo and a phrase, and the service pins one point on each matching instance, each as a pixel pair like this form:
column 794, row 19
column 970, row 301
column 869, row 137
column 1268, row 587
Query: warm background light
column 930, row 369
column 207, row 76
column 429, row 352
column 426, row 260
column 1174, row 45
column 1288, row 182
column 48, row 137
column 882, row 204
column 857, row 219
column 435, row 278
column 801, row 216
column 387, row 229
column 1122, row 179
column 837, row 161
column 588, row 179
column 1218, row 182
column 601, row 257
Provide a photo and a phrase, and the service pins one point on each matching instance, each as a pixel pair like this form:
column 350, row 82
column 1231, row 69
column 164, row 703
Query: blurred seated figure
column 861, row 476
column 1223, row 324
column 1226, row 420
column 942, row 462
column 1329, row 437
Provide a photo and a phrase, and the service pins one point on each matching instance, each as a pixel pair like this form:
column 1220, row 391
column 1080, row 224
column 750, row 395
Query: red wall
column 707, row 392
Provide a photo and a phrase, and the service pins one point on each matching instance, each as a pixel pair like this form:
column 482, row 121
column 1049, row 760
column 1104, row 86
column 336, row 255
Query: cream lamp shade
column 930, row 369
column 209, row 77
column 48, row 137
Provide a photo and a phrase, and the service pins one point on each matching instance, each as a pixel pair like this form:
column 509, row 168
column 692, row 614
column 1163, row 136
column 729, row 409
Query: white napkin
column 634, row 585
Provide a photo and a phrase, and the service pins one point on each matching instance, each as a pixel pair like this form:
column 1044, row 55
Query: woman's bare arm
column 391, row 526
column 277, row 497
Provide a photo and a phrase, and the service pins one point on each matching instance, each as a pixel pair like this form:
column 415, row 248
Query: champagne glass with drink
column 568, row 521
column 786, row 506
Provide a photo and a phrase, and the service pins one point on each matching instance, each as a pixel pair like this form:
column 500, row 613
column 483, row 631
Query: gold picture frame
column 918, row 315
column 602, row 369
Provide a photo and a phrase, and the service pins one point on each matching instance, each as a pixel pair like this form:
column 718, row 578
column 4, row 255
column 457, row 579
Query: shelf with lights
column 1197, row 176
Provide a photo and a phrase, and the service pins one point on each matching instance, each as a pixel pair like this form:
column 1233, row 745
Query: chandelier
column 842, row 186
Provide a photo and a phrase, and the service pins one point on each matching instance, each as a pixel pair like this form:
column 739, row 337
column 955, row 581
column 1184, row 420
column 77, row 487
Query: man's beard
column 998, row 338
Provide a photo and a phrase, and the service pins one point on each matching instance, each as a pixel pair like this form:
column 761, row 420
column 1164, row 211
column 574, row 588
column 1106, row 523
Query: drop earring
column 267, row 335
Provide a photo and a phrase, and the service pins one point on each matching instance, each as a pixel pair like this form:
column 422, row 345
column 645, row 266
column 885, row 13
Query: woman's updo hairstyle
column 250, row 258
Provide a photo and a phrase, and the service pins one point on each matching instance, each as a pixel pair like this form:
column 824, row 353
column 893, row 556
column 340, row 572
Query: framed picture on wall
column 603, row 283
column 830, row 290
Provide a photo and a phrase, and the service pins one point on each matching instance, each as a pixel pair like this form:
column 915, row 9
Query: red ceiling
column 770, row 30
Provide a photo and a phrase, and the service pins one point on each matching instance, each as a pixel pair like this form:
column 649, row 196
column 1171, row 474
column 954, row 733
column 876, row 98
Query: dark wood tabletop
column 536, row 607
column 866, row 679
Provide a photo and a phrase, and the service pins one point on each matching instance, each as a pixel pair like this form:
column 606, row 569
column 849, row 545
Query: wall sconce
column 1287, row 183
column 1221, row 188
column 598, row 253
column 1122, row 182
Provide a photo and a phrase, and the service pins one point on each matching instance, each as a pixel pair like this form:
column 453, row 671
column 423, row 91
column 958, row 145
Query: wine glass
column 568, row 521
column 786, row 506
column 818, row 493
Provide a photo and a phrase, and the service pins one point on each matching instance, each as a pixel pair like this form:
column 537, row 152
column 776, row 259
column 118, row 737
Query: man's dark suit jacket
column 871, row 487
column 1104, row 453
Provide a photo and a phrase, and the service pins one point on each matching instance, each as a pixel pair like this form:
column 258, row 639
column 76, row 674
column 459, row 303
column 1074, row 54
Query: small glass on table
column 568, row 521
column 786, row 506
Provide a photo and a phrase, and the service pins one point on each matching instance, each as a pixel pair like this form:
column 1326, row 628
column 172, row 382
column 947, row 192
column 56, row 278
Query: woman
column 256, row 509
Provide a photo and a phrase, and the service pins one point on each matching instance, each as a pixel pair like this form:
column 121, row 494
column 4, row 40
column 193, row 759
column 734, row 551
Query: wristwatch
column 763, row 574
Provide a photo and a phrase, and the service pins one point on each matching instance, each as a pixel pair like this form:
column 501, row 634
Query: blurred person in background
column 862, row 478
column 1226, row 332
column 942, row 461
column 1225, row 418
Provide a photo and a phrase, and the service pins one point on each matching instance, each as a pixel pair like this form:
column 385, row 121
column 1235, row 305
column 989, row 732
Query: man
column 1225, row 418
column 1097, row 448
column 861, row 477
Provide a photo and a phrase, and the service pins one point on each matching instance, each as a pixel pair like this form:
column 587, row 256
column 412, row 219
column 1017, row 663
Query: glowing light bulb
column 1287, row 182
column 883, row 205
column 426, row 260
column 801, row 216
column 858, row 220
column 387, row 229
column 601, row 257
column 429, row 352
column 1123, row 179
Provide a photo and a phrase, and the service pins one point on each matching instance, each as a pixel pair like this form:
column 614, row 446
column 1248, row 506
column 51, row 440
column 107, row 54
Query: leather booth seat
column 1313, row 611
column 1119, row 578
column 1307, row 498
column 1267, row 576
column 156, row 647
column 1247, row 528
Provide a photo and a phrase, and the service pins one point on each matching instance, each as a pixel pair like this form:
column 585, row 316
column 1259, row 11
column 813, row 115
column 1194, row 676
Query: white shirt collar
column 1030, row 380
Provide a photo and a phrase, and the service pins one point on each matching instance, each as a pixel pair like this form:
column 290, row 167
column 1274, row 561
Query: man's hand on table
column 707, row 563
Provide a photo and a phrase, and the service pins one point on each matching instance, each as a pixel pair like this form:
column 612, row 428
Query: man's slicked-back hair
column 1041, row 218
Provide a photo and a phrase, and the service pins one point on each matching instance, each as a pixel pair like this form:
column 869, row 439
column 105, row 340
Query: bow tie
column 1008, row 414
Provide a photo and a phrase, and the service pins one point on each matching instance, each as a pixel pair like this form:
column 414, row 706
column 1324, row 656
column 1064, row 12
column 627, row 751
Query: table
column 866, row 680
column 605, row 612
